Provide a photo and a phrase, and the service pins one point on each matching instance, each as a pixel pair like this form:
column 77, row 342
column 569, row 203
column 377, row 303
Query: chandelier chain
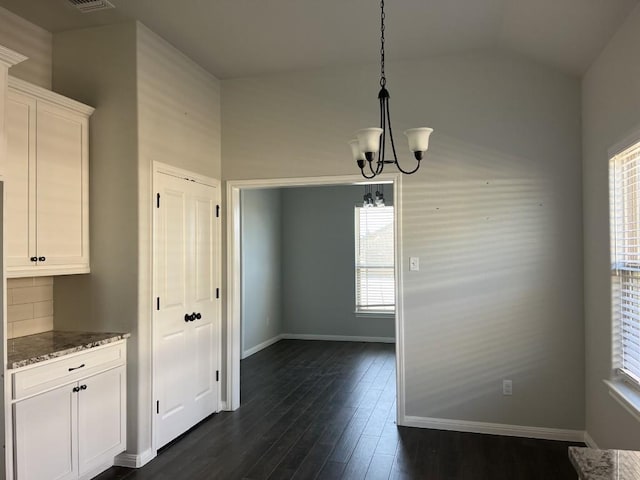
column 383, row 79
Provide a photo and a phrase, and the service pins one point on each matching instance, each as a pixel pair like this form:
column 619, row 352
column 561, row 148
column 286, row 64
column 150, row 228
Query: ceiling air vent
column 86, row 6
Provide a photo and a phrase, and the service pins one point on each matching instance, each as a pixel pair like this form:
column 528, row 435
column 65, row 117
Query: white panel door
column 61, row 200
column 45, row 435
column 101, row 419
column 21, row 188
column 203, row 298
column 172, row 334
column 186, row 324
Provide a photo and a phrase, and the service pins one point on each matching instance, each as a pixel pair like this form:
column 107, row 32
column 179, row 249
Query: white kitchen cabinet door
column 47, row 178
column 101, row 419
column 61, row 177
column 186, row 324
column 20, row 220
column 45, row 435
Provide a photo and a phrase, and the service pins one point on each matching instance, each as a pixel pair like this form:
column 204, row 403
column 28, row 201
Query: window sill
column 626, row 396
column 364, row 314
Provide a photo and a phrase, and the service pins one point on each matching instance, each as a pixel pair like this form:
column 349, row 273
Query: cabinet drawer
column 67, row 369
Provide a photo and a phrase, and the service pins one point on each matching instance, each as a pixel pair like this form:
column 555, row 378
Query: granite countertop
column 23, row 351
column 592, row 464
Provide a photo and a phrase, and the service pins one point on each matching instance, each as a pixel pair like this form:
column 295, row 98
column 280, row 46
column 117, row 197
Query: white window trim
column 626, row 394
column 373, row 313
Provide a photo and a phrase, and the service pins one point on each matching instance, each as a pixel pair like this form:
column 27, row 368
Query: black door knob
column 34, row 259
column 76, row 389
column 187, row 317
column 41, row 259
column 83, row 387
column 198, row 316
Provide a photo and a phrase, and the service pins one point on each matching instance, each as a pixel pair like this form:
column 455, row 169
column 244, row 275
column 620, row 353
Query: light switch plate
column 414, row 264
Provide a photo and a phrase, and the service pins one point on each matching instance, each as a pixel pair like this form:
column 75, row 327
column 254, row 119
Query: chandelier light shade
column 371, row 143
column 418, row 140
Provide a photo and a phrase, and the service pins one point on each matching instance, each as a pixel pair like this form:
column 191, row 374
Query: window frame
column 623, row 386
column 359, row 309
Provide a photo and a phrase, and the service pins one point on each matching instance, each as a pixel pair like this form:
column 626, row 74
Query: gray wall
column 261, row 260
column 318, row 263
column 611, row 111
column 298, row 264
column 28, row 39
column 494, row 214
column 152, row 103
column 98, row 67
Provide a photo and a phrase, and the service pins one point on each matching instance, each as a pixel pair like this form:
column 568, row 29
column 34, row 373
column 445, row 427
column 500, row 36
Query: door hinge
column 158, row 406
column 158, row 200
column 217, row 293
column 217, row 375
column 217, row 211
column 158, row 303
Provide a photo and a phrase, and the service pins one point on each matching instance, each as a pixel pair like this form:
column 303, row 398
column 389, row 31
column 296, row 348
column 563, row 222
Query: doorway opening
column 236, row 347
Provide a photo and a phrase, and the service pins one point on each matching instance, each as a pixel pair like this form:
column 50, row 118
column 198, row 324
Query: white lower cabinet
column 72, row 431
column 101, row 419
column 45, row 440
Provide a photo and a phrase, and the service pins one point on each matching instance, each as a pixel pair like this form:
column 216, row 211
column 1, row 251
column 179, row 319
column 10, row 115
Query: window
column 624, row 192
column 375, row 260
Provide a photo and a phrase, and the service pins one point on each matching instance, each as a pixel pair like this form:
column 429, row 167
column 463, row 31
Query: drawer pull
column 76, row 389
column 76, row 368
column 83, row 387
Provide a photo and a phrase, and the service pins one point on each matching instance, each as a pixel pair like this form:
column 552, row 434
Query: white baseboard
column 223, row 406
column 494, row 428
column 260, row 346
column 132, row 460
column 94, row 472
column 590, row 441
column 337, row 338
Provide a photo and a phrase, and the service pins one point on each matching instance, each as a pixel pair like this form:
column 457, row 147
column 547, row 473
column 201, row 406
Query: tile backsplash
column 29, row 306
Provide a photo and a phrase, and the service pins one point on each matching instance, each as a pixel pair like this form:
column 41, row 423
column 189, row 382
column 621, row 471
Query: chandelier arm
column 408, row 172
column 393, row 146
column 365, row 176
column 373, row 172
column 383, row 141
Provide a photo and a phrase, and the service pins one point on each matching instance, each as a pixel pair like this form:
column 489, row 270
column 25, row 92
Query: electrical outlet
column 507, row 387
column 414, row 264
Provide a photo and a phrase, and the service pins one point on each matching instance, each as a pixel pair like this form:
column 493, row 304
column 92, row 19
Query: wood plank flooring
column 326, row 410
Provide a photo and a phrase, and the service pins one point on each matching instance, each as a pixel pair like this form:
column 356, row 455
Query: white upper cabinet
column 47, row 183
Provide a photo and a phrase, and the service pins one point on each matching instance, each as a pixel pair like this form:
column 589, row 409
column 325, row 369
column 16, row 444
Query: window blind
column 624, row 190
column 375, row 259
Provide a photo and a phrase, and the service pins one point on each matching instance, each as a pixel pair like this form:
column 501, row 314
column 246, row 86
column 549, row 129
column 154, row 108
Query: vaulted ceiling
column 232, row 38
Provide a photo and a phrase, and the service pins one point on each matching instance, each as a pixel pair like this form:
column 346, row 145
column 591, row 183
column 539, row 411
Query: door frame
column 234, row 273
column 160, row 168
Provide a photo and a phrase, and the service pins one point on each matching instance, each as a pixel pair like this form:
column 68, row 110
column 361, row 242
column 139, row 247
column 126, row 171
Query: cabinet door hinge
column 158, row 406
column 217, row 293
column 217, row 375
column 158, row 200
column 217, row 211
column 158, row 303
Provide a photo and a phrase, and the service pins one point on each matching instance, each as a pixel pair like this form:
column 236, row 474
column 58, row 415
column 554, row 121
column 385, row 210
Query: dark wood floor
column 326, row 410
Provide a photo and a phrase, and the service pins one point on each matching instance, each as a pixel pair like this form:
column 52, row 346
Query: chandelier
column 369, row 200
column 372, row 141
